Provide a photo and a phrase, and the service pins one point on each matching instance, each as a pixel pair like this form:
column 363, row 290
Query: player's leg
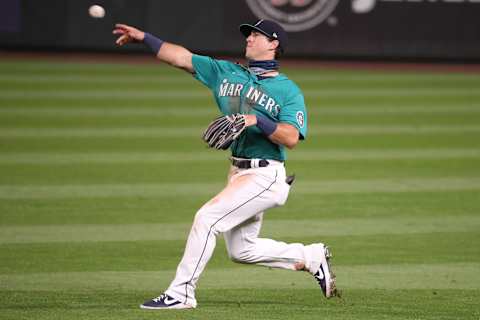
column 245, row 195
column 244, row 246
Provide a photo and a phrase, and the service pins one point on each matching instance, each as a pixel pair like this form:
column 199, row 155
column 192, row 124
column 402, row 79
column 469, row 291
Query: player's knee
column 237, row 257
column 243, row 255
column 204, row 221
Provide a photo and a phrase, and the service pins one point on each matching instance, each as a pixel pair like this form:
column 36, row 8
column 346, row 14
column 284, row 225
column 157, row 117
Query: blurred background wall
column 369, row 29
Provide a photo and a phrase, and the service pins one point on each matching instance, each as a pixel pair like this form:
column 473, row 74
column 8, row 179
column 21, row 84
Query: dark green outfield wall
column 327, row 28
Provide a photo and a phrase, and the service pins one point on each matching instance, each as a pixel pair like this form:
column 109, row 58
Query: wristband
column 152, row 42
column 266, row 125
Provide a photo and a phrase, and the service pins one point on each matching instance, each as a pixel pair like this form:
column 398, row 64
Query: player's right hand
column 127, row 34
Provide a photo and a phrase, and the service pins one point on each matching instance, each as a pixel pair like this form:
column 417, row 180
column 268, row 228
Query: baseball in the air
column 96, row 11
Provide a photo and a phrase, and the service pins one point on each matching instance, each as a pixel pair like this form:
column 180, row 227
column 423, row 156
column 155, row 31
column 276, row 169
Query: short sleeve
column 294, row 112
column 206, row 70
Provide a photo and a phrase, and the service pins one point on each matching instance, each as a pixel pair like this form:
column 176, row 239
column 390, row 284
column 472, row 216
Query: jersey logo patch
column 300, row 118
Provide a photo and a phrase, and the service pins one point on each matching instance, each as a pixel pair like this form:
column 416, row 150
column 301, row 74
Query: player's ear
column 274, row 44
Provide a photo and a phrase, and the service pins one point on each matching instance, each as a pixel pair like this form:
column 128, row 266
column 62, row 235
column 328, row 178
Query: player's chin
column 248, row 54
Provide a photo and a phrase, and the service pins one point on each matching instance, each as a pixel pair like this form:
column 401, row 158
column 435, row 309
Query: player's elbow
column 291, row 145
column 291, row 141
column 286, row 135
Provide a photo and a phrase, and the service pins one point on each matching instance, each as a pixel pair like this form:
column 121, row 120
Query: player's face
column 260, row 47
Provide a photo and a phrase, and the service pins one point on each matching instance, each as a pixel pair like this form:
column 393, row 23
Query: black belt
column 247, row 163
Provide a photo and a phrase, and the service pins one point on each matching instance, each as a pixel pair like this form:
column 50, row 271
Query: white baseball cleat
column 164, row 301
column 321, row 270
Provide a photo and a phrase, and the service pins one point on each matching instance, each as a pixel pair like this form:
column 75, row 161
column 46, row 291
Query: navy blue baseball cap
column 271, row 29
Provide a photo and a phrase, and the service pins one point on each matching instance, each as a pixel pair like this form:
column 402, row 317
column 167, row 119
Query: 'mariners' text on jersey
column 254, row 95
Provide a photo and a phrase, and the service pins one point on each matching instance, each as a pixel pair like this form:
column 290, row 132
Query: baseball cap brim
column 246, row 29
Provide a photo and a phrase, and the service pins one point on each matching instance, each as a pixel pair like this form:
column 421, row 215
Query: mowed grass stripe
column 129, row 132
column 103, row 94
column 189, row 111
column 188, row 189
column 28, row 66
column 162, row 85
column 188, row 93
column 271, row 228
column 166, row 75
column 80, row 71
column 207, row 103
column 58, row 67
column 59, row 79
column 303, row 155
column 388, row 277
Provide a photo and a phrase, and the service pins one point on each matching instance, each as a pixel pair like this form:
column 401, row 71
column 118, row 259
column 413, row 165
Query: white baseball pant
column 237, row 212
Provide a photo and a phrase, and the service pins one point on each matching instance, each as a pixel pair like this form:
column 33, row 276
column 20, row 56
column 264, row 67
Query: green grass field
column 102, row 169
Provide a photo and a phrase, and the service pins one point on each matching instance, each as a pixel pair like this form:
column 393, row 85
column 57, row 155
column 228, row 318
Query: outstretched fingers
column 123, row 40
column 121, row 30
column 128, row 34
column 118, row 31
column 122, row 26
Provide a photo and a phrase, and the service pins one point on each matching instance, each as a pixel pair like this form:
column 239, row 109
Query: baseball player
column 274, row 114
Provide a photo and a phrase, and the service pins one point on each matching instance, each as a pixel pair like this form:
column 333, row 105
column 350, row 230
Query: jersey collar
column 278, row 77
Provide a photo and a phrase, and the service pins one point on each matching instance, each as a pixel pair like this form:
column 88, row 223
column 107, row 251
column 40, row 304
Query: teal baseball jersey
column 237, row 90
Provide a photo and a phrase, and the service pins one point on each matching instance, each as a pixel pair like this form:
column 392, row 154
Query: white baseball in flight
column 96, row 11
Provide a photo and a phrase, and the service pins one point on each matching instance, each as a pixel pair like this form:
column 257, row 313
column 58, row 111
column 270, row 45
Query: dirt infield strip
column 141, row 58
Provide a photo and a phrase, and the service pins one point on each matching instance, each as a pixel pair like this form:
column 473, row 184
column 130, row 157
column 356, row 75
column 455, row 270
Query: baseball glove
column 222, row 131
